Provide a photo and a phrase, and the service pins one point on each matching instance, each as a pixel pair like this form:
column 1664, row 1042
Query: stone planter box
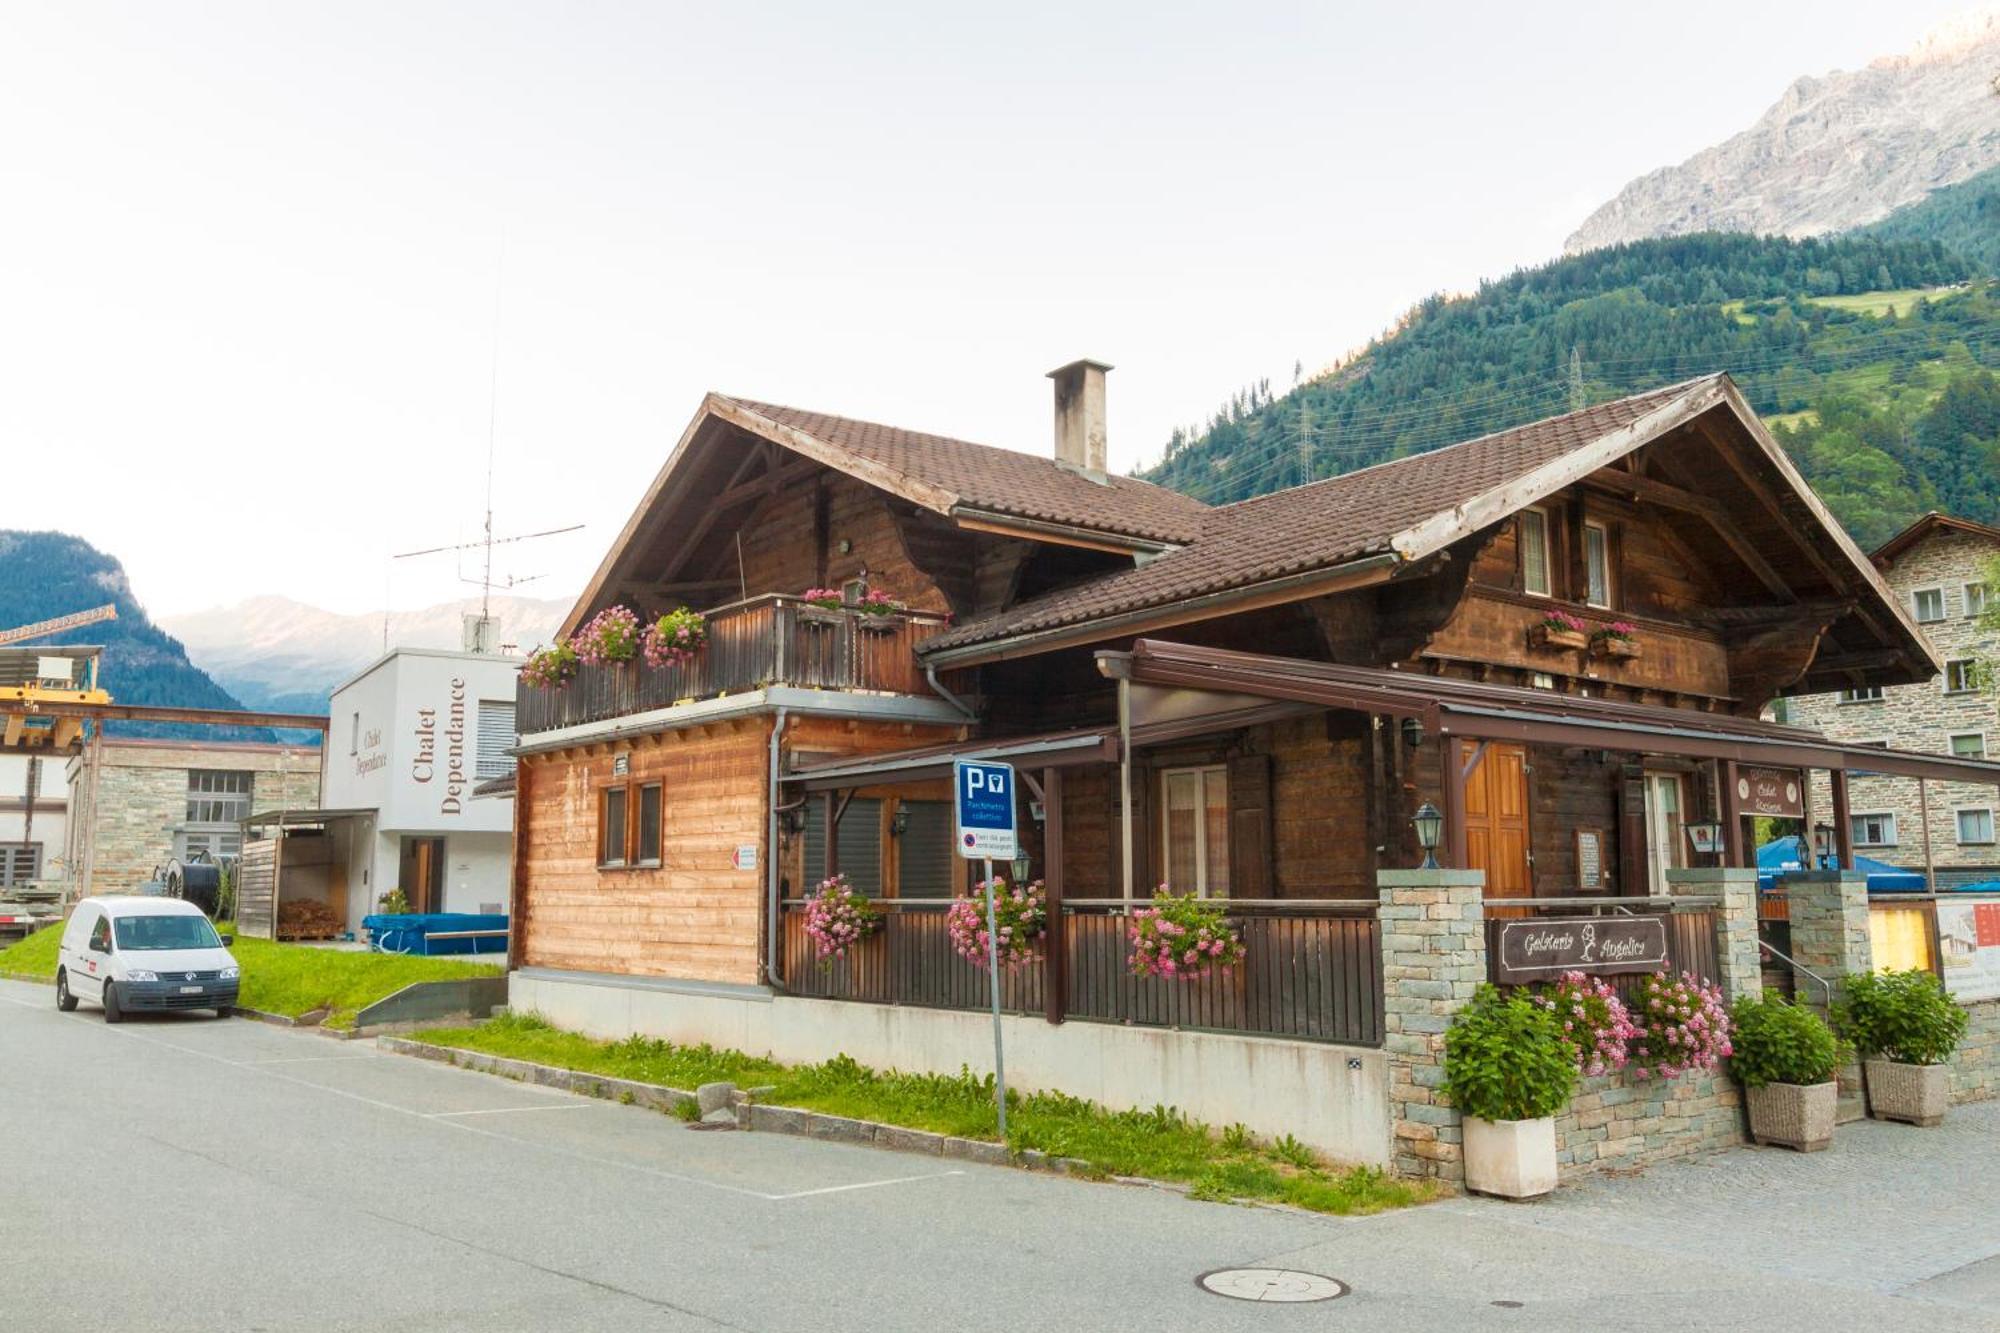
column 1914, row 1094
column 1548, row 636
column 1793, row 1115
column 1511, row 1159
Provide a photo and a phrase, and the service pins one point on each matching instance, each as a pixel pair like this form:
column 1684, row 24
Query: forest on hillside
column 1963, row 218
column 1872, row 355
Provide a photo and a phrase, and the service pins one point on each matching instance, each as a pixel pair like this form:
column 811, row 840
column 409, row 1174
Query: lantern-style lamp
column 1429, row 824
column 1022, row 865
column 1823, row 845
column 1413, row 732
column 899, row 823
column 1705, row 835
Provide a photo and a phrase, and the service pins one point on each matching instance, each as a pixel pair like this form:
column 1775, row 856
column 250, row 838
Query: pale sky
column 248, row 252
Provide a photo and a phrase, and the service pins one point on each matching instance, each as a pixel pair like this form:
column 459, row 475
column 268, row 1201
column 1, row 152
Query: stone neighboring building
column 157, row 799
column 1938, row 568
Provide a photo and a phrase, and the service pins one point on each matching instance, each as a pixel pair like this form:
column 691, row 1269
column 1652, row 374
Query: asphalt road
column 182, row 1173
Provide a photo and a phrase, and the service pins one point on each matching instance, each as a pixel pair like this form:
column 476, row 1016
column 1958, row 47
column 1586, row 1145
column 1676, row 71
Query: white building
column 407, row 741
column 34, row 811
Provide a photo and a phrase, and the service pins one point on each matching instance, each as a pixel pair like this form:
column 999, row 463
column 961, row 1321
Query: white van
column 130, row 953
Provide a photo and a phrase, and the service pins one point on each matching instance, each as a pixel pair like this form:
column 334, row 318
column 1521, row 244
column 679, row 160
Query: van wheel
column 112, row 1013
column 224, row 1010
column 64, row 1000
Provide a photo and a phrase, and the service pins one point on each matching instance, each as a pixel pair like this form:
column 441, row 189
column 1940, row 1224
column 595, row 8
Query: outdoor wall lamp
column 1705, row 835
column 1413, row 732
column 1823, row 843
column 899, row 823
column 1022, row 865
column 1429, row 824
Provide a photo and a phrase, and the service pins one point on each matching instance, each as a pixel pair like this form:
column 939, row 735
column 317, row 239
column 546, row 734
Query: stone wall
column 1433, row 960
column 142, row 798
column 1622, row 1121
column 1975, row 1070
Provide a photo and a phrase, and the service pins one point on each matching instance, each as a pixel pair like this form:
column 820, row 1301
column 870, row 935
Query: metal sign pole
column 993, row 982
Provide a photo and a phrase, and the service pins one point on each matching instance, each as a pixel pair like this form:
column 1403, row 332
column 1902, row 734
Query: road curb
column 26, row 976
column 755, row 1116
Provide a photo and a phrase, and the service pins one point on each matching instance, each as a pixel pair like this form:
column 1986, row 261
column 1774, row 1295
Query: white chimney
column 1080, row 419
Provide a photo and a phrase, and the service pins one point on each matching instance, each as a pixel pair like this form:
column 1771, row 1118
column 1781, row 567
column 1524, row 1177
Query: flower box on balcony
column 819, row 617
column 875, row 624
column 1545, row 635
column 1616, row 649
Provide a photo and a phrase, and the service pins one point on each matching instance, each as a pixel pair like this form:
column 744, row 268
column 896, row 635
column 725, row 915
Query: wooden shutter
column 1145, row 856
column 861, row 845
column 925, row 868
column 1632, row 865
column 1250, row 845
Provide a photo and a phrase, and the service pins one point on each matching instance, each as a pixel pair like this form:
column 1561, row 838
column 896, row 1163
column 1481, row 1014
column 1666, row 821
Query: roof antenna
column 479, row 634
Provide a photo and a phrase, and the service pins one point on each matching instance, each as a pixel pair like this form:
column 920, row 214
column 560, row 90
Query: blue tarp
column 1776, row 857
column 409, row 932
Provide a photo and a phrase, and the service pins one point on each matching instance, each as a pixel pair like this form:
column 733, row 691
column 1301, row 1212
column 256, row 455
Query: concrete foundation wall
column 1332, row 1097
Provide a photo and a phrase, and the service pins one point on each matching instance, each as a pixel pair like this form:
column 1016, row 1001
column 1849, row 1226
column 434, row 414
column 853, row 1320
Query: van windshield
column 166, row 932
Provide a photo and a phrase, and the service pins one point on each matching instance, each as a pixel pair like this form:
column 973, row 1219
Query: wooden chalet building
column 1249, row 701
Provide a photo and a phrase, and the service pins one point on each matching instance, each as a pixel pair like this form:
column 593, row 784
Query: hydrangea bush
column 1683, row 1027
column 549, row 668
column 1020, row 914
column 839, row 916
column 1596, row 1026
column 674, row 638
column 1182, row 936
column 612, row 635
column 826, row 599
column 1620, row 631
column 1564, row 622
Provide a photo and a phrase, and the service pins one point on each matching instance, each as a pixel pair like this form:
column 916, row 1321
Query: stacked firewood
column 306, row 919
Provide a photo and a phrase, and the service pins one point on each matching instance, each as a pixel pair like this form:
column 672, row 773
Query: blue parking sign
column 984, row 797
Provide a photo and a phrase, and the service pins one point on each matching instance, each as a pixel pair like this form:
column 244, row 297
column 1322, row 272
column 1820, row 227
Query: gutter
column 930, row 674
column 1090, row 631
column 1090, row 536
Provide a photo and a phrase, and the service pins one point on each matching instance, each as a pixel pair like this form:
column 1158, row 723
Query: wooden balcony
column 768, row 640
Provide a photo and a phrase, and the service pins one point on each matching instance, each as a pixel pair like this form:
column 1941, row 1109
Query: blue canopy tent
column 1783, row 854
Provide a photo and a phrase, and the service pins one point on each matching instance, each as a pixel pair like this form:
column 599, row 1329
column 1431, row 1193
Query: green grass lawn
column 1160, row 1144
column 288, row 979
column 1895, row 303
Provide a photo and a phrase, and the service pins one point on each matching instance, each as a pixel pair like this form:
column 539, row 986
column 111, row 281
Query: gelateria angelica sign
column 1605, row 945
column 440, row 755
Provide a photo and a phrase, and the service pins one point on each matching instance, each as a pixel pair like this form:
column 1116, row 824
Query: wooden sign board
column 1589, row 860
column 1771, row 791
column 1602, row 945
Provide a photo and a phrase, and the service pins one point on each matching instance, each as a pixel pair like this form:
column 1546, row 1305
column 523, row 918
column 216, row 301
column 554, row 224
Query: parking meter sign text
column 985, row 807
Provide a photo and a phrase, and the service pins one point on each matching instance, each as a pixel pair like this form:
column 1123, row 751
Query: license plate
column 190, row 990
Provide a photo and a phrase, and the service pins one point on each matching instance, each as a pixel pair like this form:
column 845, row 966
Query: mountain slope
column 1963, row 218
column 1835, row 152
column 44, row 574
column 279, row 653
column 1880, row 327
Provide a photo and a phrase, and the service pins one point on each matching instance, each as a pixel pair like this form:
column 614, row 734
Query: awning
column 1481, row 711
column 1055, row 750
column 301, row 818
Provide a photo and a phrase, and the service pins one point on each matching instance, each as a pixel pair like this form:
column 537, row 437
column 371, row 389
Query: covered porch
column 1283, row 788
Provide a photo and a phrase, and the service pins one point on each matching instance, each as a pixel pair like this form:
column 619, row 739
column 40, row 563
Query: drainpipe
column 775, row 891
column 965, row 709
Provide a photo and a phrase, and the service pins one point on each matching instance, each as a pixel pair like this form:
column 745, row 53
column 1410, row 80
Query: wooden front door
column 1496, row 818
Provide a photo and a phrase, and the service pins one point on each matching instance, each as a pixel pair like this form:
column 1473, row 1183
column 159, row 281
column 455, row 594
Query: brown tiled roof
column 1318, row 525
column 1002, row 480
column 1887, row 553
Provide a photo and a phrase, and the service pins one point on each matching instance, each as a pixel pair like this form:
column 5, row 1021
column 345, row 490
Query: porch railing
column 1312, row 970
column 769, row 640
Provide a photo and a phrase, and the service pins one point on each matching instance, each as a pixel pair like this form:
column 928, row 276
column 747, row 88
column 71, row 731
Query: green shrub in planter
column 1779, row 1042
column 1902, row 1016
column 1505, row 1059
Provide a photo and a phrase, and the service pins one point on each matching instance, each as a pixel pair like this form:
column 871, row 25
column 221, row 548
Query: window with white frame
column 1862, row 694
column 1969, row 745
column 1597, row 564
column 1975, row 826
column 218, row 796
column 1877, row 830
column 1534, row 537
column 1928, row 603
column 1194, row 829
column 1975, row 599
column 1961, row 675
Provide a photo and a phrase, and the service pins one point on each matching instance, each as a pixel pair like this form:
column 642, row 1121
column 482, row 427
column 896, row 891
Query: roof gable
column 1934, row 522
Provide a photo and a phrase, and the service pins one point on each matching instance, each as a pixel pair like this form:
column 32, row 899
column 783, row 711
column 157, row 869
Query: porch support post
column 1055, row 966
column 1125, row 787
column 1732, row 817
column 832, row 826
column 1924, row 815
column 1452, row 776
column 1843, row 824
column 1830, row 938
column 1433, row 959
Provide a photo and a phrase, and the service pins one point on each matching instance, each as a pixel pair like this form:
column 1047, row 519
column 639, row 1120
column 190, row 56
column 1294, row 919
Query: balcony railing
column 770, row 640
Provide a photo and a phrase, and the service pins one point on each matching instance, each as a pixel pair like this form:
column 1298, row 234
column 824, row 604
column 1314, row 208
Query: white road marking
column 508, row 1110
column 440, row 1118
column 307, row 1059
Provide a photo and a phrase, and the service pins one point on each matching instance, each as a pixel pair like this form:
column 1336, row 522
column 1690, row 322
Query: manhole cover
column 1271, row 1284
